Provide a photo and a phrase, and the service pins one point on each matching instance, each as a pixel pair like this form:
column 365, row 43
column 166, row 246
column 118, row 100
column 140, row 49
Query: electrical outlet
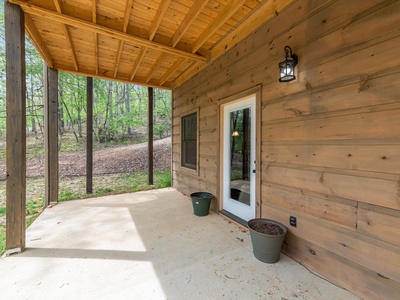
column 293, row 221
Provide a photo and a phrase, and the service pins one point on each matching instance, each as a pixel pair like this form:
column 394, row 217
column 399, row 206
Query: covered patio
column 324, row 146
column 148, row 245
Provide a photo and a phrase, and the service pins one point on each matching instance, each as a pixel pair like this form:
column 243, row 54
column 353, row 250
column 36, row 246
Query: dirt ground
column 110, row 160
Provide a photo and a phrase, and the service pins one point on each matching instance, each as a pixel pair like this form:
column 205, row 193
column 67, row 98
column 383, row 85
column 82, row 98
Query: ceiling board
column 156, row 47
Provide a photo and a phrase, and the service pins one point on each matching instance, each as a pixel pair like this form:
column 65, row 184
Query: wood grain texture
column 51, row 134
column 330, row 139
column 16, row 132
column 183, row 29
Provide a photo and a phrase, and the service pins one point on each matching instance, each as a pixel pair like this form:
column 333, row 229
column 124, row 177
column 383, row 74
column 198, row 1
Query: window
column 189, row 141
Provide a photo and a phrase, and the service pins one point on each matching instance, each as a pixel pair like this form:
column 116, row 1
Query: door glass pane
column 240, row 135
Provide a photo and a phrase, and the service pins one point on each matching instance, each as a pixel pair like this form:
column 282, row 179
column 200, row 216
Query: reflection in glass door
column 240, row 155
column 239, row 158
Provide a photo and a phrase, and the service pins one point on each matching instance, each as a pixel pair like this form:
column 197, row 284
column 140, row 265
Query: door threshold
column 235, row 219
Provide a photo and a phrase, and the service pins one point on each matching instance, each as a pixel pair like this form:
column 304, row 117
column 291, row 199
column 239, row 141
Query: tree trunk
column 128, row 107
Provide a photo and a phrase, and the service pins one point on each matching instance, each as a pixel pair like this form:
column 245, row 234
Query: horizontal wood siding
column 330, row 140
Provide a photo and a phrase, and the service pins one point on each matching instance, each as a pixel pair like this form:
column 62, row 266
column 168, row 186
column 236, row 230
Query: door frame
column 255, row 91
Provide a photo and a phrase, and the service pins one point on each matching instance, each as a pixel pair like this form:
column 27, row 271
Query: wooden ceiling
column 159, row 43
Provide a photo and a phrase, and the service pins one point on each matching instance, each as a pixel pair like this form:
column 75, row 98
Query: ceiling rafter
column 229, row 11
column 57, row 3
column 36, row 39
column 194, row 12
column 265, row 10
column 96, row 49
column 128, row 9
column 89, row 26
column 158, row 63
column 158, row 18
column 195, row 66
column 82, row 73
column 163, row 49
column 180, row 61
column 137, row 63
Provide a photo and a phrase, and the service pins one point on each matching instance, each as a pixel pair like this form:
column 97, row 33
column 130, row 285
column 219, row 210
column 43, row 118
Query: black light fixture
column 287, row 65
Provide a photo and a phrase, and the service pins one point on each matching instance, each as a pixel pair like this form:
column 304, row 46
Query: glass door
column 239, row 158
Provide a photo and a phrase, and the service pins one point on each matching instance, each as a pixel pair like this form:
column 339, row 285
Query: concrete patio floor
column 148, row 245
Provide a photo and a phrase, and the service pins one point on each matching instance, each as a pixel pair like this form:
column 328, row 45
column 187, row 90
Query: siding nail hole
column 312, row 251
column 323, row 21
column 384, row 157
column 349, row 155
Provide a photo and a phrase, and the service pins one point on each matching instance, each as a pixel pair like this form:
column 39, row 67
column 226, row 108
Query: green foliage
column 2, row 238
column 66, row 194
column 120, row 115
column 34, row 206
column 112, row 184
column 120, row 110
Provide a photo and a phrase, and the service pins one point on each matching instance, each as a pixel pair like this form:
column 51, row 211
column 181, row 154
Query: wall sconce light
column 287, row 65
column 235, row 133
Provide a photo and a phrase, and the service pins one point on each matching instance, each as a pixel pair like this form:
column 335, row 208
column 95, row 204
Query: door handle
column 254, row 171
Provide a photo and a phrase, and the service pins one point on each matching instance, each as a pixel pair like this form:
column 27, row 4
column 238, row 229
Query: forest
column 120, row 118
column 120, row 109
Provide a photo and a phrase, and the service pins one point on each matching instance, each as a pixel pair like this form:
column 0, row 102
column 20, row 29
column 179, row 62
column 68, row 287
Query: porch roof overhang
column 159, row 43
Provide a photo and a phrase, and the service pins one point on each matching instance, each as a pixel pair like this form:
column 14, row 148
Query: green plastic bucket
column 201, row 203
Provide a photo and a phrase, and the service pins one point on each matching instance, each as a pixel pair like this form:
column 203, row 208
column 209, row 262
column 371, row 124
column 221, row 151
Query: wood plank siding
column 330, row 140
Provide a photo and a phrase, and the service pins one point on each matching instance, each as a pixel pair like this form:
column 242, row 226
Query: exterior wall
column 330, row 147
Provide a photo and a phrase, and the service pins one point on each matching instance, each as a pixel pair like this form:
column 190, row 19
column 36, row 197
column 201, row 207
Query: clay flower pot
column 267, row 237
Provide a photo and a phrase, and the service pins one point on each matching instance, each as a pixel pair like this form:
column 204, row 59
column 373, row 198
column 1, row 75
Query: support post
column 150, row 135
column 89, row 135
column 50, row 134
column 16, row 128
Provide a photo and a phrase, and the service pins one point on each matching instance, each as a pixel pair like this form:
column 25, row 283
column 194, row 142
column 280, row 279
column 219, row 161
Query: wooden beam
column 50, row 135
column 137, row 63
column 37, row 40
column 71, row 47
column 172, row 70
column 16, row 128
column 118, row 57
column 96, row 49
column 154, row 85
column 162, row 9
column 158, row 63
column 188, row 73
column 89, row 135
column 128, row 9
column 264, row 12
column 150, row 153
column 96, row 54
column 94, row 11
column 58, row 4
column 194, row 12
column 229, row 11
column 89, row 26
